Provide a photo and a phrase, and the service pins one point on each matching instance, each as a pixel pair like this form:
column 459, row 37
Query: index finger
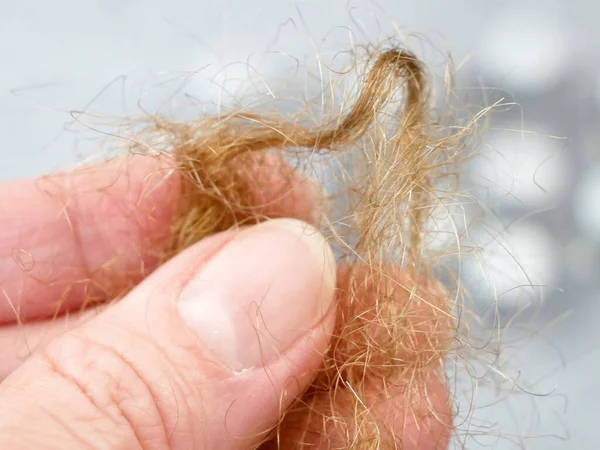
column 89, row 235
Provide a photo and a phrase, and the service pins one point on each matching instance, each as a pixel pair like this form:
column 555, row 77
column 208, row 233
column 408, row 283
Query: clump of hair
column 395, row 322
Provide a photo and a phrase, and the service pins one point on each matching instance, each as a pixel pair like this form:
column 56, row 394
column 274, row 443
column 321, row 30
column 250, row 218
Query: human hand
column 206, row 352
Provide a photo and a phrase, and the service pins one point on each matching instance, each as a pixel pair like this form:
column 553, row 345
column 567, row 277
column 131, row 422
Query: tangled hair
column 392, row 164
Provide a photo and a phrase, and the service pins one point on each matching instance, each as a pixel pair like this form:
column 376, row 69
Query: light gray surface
column 104, row 56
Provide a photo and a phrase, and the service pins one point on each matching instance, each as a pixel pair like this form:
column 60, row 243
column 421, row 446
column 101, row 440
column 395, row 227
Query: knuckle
column 113, row 387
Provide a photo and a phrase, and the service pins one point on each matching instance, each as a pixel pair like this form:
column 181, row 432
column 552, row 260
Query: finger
column 404, row 321
column 87, row 236
column 205, row 353
column 387, row 385
column 278, row 190
column 411, row 415
column 66, row 235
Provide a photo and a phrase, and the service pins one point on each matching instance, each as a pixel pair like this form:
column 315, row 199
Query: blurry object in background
column 524, row 169
column 524, row 49
column 511, row 269
column 586, row 203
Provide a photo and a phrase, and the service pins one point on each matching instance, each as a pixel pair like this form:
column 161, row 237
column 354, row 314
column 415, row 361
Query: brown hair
column 395, row 322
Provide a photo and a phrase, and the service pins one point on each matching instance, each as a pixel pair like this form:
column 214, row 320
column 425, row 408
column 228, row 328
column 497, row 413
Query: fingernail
column 263, row 291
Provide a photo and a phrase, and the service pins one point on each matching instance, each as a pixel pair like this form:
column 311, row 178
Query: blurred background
column 537, row 232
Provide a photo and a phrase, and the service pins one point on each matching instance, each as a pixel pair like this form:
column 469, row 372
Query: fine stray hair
column 395, row 322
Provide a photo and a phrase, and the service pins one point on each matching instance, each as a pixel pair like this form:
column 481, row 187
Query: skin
column 134, row 373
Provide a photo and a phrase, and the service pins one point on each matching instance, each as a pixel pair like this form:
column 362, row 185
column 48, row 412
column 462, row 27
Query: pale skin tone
column 152, row 370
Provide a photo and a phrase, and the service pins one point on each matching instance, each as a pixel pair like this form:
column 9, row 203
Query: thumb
column 206, row 353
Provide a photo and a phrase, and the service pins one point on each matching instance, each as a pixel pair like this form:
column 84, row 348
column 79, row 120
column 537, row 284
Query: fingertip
column 280, row 190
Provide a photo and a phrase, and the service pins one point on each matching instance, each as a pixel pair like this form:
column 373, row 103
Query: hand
column 206, row 352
